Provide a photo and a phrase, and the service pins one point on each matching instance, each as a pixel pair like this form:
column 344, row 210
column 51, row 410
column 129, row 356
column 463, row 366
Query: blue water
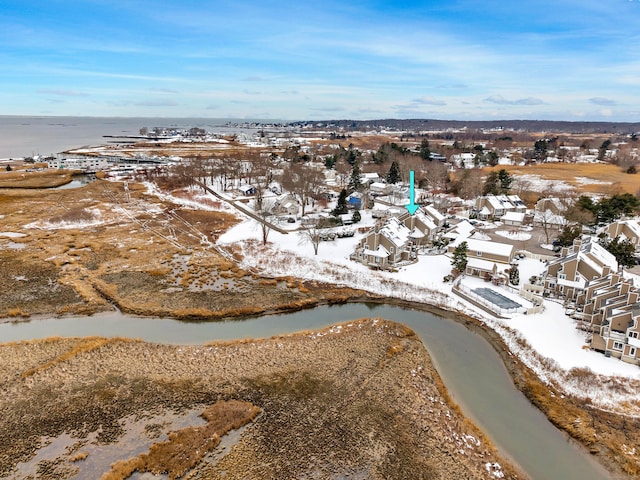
column 469, row 366
column 28, row 136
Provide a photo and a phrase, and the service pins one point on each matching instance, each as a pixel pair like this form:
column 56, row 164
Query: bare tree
column 264, row 212
column 302, row 180
column 469, row 183
column 311, row 233
column 437, row 173
column 260, row 175
column 343, row 170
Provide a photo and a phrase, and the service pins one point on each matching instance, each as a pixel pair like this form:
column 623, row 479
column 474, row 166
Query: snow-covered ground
column 551, row 333
column 514, row 235
column 547, row 342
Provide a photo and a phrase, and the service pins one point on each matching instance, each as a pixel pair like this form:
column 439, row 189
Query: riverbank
column 359, row 399
column 609, row 437
column 84, row 250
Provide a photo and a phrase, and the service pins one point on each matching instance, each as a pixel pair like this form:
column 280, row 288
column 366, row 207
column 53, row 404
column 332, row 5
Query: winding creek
column 469, row 366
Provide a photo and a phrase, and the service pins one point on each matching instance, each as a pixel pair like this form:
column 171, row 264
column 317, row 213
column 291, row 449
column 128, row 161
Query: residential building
column 598, row 297
column 495, row 206
column 285, row 205
column 512, row 218
column 610, row 311
column 625, row 229
column 586, row 260
column 485, row 259
column 397, row 240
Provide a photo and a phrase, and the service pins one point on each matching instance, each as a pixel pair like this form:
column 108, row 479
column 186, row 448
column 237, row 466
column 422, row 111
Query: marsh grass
column 84, row 345
column 186, row 447
column 44, row 179
column 609, row 178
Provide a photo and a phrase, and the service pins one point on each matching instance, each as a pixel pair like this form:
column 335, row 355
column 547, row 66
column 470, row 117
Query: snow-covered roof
column 462, row 230
column 380, row 252
column 513, row 216
column 579, row 283
column 433, row 213
column 633, row 226
column 549, row 218
column 492, row 248
column 370, row 175
column 395, row 231
column 426, row 220
column 485, row 265
column 602, row 256
column 515, row 200
column 416, row 233
column 495, row 203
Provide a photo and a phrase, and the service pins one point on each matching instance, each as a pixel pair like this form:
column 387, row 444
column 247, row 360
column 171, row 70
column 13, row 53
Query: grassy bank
column 359, row 400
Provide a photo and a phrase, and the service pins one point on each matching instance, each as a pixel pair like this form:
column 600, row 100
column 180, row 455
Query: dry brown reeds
column 186, row 447
column 78, row 457
column 82, row 346
column 17, row 312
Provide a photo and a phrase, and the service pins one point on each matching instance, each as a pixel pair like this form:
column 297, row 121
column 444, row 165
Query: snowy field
column 547, row 342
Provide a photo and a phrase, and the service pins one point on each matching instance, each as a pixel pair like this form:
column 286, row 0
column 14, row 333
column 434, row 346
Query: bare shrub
column 74, row 215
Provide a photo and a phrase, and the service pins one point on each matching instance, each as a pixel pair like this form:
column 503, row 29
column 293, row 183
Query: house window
column 632, row 351
column 618, row 345
column 377, row 259
column 633, row 334
column 479, row 254
column 390, row 249
column 561, row 276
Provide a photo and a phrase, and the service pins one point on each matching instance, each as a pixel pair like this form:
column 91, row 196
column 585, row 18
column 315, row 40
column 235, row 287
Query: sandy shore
column 361, row 399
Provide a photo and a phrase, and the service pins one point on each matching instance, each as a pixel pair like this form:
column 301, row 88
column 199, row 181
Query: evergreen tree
column 623, row 250
column 341, row 206
column 505, row 181
column 497, row 183
column 355, row 183
column 356, row 217
column 491, row 184
column 540, row 149
column 394, row 173
column 330, row 161
column 514, row 275
column 425, row 152
column 568, row 234
column 459, row 260
column 602, row 151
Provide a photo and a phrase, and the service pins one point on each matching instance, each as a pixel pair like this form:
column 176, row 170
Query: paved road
column 532, row 245
column 245, row 210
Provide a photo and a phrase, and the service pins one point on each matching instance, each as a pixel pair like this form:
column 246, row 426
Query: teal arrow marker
column 412, row 207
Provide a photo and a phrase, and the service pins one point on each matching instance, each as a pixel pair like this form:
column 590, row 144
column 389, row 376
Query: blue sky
column 360, row 59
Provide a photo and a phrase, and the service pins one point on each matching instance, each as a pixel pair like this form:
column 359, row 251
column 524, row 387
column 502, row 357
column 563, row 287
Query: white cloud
column 429, row 101
column 500, row 100
column 602, row 101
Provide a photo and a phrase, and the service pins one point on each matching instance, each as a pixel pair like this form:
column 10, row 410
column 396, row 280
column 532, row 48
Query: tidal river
column 469, row 366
